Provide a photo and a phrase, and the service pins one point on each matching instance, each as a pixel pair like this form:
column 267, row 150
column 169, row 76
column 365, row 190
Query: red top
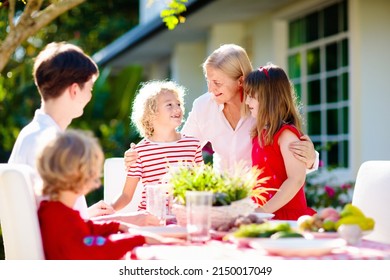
column 271, row 160
column 65, row 235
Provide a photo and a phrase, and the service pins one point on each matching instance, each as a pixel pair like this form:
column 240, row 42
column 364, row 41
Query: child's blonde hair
column 69, row 161
column 145, row 103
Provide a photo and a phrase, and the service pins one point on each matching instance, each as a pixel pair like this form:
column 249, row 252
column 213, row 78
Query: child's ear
column 73, row 90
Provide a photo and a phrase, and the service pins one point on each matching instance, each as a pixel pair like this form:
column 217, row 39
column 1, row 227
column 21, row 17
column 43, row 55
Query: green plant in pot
column 232, row 191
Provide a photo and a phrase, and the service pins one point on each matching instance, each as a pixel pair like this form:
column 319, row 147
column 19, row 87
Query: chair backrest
column 372, row 195
column 114, row 180
column 18, row 214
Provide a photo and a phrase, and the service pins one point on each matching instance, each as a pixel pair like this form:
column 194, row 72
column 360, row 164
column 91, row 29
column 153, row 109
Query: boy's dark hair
column 58, row 66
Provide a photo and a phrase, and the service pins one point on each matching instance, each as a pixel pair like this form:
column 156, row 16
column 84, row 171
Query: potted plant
column 232, row 191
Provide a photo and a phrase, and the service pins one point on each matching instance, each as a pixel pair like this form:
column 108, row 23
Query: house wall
column 186, row 70
column 369, row 86
column 369, row 60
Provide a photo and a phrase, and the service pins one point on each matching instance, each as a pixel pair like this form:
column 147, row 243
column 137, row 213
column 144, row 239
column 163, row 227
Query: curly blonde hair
column 145, row 103
column 69, row 161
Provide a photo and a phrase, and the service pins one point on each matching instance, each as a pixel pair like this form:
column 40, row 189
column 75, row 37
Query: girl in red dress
column 70, row 166
column 270, row 96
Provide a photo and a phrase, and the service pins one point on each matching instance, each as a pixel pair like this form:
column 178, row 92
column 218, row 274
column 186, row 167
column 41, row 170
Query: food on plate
column 237, row 222
column 329, row 219
column 266, row 229
column 286, row 234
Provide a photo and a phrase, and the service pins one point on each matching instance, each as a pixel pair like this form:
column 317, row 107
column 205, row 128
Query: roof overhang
column 153, row 41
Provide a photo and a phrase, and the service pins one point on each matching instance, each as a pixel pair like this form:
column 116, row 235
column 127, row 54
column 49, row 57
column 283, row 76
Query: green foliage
column 18, row 100
column 107, row 115
column 328, row 191
column 172, row 15
column 227, row 187
column 321, row 196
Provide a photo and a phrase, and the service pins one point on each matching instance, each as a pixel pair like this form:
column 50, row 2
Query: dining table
column 220, row 248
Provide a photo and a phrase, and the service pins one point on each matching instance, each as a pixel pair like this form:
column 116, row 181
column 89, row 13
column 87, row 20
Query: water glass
column 156, row 201
column 198, row 207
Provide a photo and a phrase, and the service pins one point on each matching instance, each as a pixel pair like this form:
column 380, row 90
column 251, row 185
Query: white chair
column 372, row 195
column 114, row 180
column 18, row 214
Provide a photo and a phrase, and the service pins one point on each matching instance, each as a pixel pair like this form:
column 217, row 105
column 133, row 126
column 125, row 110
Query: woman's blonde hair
column 145, row 104
column 271, row 87
column 69, row 161
column 232, row 60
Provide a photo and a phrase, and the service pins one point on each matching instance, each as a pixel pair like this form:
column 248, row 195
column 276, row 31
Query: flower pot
column 219, row 214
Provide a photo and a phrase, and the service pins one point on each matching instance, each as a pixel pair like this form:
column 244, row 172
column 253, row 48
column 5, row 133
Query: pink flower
column 321, row 163
column 330, row 191
column 346, row 186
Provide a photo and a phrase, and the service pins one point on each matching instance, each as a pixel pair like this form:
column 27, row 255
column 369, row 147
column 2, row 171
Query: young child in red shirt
column 270, row 97
column 70, row 166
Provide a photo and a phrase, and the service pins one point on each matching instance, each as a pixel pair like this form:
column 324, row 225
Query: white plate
column 328, row 234
column 167, row 231
column 243, row 241
column 297, row 247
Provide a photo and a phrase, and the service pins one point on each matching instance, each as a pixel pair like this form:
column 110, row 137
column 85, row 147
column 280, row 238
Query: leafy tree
column 22, row 20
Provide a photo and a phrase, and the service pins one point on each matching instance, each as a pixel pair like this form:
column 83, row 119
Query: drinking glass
column 156, row 201
column 198, row 207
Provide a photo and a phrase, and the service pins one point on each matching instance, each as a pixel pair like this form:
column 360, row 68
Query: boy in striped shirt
column 158, row 111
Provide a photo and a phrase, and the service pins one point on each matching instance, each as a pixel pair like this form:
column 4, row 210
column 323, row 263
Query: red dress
column 271, row 160
column 66, row 236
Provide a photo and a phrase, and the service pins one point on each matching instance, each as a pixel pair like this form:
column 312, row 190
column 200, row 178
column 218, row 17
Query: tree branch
column 11, row 14
column 31, row 21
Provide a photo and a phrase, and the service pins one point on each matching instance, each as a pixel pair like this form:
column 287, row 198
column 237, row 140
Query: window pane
column 313, row 93
column 298, row 91
column 294, row 66
column 344, row 53
column 317, row 146
column 331, row 20
column 313, row 61
column 333, row 154
column 345, row 111
column 344, row 14
column 345, row 154
column 312, row 27
column 314, row 123
column 331, row 90
column 331, row 57
column 345, row 93
column 295, row 33
column 332, row 122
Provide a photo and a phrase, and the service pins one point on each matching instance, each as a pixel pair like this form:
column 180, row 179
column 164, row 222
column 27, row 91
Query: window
column 319, row 68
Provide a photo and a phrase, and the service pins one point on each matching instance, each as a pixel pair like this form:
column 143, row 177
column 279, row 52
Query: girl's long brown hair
column 277, row 101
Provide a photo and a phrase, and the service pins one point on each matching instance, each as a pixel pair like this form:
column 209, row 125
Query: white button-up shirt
column 207, row 122
column 31, row 139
